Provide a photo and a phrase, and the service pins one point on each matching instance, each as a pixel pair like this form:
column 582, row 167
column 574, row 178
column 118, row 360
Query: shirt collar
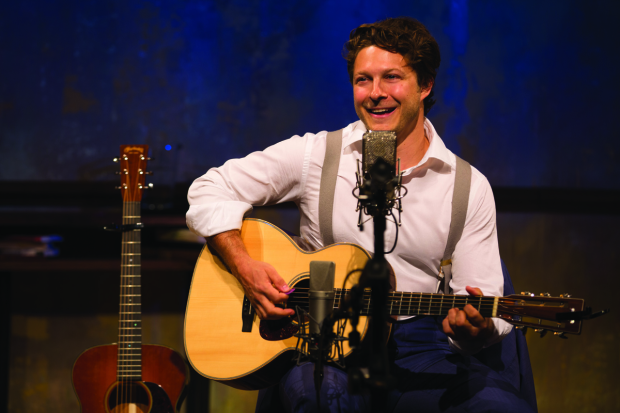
column 436, row 150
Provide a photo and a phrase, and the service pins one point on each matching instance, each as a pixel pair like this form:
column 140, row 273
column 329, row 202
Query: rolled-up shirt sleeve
column 219, row 199
column 476, row 261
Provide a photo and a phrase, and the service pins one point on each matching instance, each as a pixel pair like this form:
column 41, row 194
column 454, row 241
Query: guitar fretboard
column 408, row 304
column 130, row 314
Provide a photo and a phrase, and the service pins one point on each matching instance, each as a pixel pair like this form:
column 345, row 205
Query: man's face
column 386, row 93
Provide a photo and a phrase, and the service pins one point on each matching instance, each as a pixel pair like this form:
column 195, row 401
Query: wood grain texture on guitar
column 130, row 377
column 226, row 342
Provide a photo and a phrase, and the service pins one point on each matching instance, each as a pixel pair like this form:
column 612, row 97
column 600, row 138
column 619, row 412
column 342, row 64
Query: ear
column 426, row 89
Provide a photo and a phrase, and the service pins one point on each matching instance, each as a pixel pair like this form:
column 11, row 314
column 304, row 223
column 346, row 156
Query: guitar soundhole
column 129, row 397
column 275, row 330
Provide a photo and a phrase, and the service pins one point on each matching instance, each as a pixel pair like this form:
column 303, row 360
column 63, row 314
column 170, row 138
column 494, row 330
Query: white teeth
column 379, row 111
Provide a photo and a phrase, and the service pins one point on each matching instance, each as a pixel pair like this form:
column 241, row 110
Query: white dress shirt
column 291, row 171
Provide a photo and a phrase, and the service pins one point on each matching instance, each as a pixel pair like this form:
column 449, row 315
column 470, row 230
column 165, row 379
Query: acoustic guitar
column 130, row 377
column 226, row 342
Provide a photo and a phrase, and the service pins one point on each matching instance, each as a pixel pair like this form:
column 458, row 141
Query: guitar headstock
column 132, row 162
column 542, row 312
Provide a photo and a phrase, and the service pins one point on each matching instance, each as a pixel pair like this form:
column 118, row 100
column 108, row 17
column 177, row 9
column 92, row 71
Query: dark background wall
column 527, row 92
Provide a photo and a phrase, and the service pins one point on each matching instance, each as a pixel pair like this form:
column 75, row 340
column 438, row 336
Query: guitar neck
column 130, row 313
column 408, row 304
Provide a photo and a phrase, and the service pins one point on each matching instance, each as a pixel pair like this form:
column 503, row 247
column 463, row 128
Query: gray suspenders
column 460, row 200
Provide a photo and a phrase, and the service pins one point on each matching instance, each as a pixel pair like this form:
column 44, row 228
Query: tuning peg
column 115, row 160
column 560, row 334
column 545, row 295
column 121, row 187
column 148, row 173
column 148, row 159
column 149, row 186
column 542, row 331
column 565, row 295
column 527, row 293
column 121, row 173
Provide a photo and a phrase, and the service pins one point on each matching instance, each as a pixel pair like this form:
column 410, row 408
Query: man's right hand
column 262, row 284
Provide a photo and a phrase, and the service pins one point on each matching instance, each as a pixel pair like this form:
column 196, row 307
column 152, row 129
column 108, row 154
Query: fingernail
column 284, row 287
column 289, row 292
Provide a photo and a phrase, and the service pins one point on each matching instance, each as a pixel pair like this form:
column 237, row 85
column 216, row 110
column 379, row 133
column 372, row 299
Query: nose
column 377, row 92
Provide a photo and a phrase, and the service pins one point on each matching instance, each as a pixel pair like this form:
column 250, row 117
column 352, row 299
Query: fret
column 479, row 302
column 132, row 341
column 130, row 265
column 453, row 301
column 391, row 305
column 131, row 295
column 429, row 304
column 400, row 306
column 420, row 304
column 130, row 276
column 131, row 303
column 441, row 306
column 130, row 242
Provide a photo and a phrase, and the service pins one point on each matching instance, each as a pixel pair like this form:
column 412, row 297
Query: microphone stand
column 376, row 276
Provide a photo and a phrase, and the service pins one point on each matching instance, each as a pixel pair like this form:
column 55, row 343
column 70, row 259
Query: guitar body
column 215, row 344
column 164, row 375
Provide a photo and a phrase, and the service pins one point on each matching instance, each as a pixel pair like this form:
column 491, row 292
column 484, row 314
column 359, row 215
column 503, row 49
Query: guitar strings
column 407, row 303
column 120, row 391
column 128, row 325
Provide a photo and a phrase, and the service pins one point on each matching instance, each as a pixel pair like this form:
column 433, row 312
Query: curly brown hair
column 405, row 36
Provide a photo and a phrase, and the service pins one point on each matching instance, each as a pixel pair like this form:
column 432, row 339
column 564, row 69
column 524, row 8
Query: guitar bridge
column 247, row 315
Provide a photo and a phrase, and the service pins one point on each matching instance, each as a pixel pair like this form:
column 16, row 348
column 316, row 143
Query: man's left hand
column 467, row 325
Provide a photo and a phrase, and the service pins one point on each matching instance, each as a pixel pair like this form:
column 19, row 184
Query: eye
column 392, row 76
column 360, row 79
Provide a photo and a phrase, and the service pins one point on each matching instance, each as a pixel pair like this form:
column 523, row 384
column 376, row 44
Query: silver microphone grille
column 378, row 144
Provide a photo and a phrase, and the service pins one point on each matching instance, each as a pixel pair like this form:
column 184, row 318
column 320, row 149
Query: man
column 392, row 66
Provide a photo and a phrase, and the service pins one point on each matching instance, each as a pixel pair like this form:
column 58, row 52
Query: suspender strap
column 460, row 200
column 333, row 148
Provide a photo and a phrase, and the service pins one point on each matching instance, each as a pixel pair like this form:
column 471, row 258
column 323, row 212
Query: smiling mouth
column 380, row 111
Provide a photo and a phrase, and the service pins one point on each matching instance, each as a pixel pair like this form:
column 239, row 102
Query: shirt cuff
column 214, row 218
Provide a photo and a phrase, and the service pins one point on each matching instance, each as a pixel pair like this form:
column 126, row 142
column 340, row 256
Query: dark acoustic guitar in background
column 130, row 377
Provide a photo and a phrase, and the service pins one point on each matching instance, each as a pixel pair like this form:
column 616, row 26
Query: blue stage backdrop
column 527, row 89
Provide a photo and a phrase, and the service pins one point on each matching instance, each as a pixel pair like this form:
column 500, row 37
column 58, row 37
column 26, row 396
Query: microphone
column 378, row 144
column 322, row 276
column 378, row 181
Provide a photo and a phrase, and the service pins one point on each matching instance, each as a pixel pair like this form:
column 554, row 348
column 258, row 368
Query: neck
column 130, row 320
column 412, row 146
